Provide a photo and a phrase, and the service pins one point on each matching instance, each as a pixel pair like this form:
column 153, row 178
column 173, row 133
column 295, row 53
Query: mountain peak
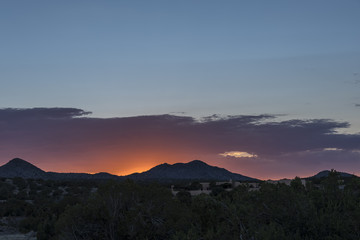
column 18, row 161
column 197, row 162
column 192, row 170
column 18, row 167
column 325, row 173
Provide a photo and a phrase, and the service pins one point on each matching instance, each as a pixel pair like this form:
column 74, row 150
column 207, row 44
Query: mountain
column 192, row 170
column 325, row 173
column 80, row 176
column 21, row 168
column 178, row 171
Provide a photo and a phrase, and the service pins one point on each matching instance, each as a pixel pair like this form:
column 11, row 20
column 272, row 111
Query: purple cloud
column 65, row 134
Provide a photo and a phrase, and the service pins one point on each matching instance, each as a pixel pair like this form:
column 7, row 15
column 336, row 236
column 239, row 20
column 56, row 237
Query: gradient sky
column 130, row 62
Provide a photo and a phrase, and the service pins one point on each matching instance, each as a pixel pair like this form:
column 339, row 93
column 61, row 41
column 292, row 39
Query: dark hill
column 192, row 170
column 195, row 170
column 325, row 173
column 21, row 168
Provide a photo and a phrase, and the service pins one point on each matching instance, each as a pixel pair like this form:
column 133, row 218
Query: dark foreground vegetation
column 327, row 208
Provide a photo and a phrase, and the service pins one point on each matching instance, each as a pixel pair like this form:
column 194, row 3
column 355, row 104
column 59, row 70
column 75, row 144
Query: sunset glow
column 265, row 89
column 57, row 141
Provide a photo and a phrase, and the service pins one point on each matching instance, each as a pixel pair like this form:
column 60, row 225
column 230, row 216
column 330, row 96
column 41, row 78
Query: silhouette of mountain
column 325, row 173
column 192, row 170
column 178, row 171
column 21, row 168
column 80, row 176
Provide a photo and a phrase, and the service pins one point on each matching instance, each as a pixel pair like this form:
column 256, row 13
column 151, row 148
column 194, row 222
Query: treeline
column 322, row 209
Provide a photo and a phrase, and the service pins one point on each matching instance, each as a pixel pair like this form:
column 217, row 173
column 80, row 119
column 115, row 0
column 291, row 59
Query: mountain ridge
column 326, row 173
column 193, row 170
column 18, row 167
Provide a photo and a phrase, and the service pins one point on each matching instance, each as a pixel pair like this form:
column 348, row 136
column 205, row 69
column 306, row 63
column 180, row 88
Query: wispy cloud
column 238, row 154
column 332, row 149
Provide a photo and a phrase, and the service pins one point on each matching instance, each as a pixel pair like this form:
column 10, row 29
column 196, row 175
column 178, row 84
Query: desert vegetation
column 65, row 210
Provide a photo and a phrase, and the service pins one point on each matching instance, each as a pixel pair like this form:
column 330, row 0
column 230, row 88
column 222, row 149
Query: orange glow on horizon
column 140, row 169
column 134, row 160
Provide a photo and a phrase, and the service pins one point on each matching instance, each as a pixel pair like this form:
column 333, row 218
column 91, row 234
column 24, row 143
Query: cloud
column 69, row 126
column 39, row 113
column 332, row 149
column 238, row 154
column 72, row 139
column 357, row 105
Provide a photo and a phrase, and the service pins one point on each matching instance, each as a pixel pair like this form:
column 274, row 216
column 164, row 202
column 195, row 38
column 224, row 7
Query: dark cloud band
column 68, row 126
column 40, row 113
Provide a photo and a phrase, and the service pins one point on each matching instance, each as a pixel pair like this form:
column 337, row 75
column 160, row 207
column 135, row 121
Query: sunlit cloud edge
column 238, row 154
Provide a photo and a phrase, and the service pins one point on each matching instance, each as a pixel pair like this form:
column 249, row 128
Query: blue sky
column 68, row 140
column 124, row 58
column 296, row 60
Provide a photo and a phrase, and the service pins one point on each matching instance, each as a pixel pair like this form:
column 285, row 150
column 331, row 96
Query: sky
column 268, row 89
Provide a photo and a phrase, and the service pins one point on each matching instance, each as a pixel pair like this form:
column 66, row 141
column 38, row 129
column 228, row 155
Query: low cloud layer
column 40, row 113
column 67, row 139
